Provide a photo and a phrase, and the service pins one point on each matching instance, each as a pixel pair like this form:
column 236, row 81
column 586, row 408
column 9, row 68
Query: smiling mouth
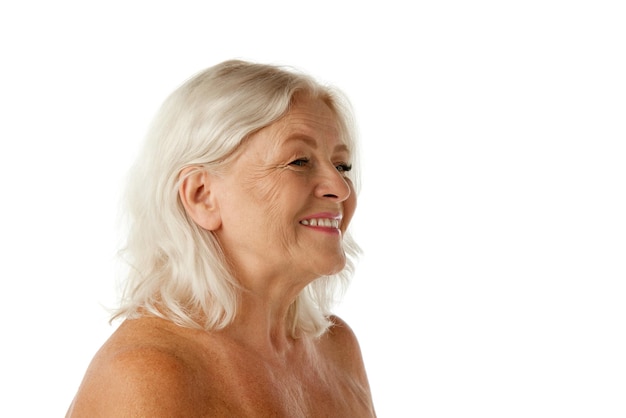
column 322, row 222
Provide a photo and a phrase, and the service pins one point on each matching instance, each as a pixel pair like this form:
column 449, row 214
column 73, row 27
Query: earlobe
column 198, row 198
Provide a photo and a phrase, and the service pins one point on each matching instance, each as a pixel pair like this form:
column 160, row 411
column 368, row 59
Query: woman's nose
column 333, row 185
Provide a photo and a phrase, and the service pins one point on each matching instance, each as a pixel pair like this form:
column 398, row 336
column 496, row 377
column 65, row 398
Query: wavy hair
column 177, row 270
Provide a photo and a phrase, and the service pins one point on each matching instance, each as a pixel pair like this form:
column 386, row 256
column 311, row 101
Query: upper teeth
column 329, row 223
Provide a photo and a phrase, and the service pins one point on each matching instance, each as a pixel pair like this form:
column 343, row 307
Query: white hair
column 177, row 270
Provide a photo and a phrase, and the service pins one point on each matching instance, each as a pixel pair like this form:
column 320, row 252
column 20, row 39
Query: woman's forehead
column 309, row 121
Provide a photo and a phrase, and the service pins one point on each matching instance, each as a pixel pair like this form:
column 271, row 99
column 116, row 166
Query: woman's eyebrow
column 313, row 143
column 302, row 138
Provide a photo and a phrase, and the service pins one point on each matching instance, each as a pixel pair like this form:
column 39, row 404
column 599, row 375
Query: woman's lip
column 323, row 215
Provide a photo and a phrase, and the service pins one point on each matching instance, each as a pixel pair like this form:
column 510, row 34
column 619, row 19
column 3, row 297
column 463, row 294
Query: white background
column 492, row 214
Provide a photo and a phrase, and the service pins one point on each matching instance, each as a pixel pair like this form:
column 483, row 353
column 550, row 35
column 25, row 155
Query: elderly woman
column 238, row 212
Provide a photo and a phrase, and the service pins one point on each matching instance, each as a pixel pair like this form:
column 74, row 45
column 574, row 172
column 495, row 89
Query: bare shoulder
column 143, row 370
column 341, row 337
column 341, row 347
column 341, row 344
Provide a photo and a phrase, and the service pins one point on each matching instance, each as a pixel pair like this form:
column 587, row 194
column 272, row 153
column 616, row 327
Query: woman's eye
column 300, row 162
column 344, row 168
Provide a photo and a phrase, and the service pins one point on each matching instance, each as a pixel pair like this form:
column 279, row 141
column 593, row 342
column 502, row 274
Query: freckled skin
column 254, row 367
column 153, row 368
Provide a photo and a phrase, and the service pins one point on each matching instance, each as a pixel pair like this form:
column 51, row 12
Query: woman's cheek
column 349, row 207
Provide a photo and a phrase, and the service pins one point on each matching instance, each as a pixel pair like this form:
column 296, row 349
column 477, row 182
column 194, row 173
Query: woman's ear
column 199, row 199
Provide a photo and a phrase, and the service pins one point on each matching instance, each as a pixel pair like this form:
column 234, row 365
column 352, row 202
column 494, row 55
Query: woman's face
column 285, row 201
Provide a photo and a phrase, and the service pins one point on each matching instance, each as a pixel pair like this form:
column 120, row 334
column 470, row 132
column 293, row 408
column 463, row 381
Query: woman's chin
column 333, row 268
